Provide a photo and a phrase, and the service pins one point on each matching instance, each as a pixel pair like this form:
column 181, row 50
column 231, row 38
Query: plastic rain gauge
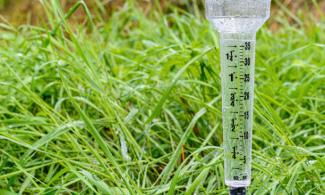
column 237, row 22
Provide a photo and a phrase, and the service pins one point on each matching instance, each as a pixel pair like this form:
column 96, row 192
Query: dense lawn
column 132, row 105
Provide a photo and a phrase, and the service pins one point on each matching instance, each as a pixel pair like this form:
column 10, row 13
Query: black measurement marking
column 232, row 76
column 232, row 66
column 247, row 61
column 236, row 177
column 246, row 115
column 246, row 95
column 232, row 99
column 232, row 46
column 247, row 46
column 233, row 124
column 230, row 56
column 246, row 77
column 244, row 177
column 234, row 152
column 245, row 135
column 234, row 112
column 233, row 88
column 244, row 160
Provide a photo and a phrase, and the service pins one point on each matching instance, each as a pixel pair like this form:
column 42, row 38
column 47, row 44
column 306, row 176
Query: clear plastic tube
column 237, row 73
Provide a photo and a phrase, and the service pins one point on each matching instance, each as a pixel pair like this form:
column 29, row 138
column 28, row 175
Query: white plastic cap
column 245, row 15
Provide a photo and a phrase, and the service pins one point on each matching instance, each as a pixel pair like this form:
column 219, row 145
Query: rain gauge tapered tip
column 237, row 22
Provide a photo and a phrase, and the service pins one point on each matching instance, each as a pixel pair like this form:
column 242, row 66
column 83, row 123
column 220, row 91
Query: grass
column 132, row 105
